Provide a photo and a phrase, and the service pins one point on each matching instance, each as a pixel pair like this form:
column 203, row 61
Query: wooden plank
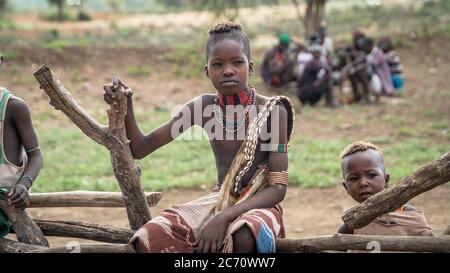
column 86, row 199
column 343, row 242
column 26, row 229
column 85, row 230
column 89, row 248
column 10, row 246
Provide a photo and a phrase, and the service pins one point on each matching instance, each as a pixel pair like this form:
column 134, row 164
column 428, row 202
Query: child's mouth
column 229, row 83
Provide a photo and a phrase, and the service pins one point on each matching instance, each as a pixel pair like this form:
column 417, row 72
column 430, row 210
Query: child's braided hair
column 227, row 30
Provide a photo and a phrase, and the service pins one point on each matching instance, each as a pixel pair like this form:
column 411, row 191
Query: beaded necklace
column 246, row 96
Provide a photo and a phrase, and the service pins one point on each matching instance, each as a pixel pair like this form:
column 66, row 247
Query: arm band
column 278, row 178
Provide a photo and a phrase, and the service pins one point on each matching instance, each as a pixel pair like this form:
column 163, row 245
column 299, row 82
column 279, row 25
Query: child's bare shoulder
column 17, row 107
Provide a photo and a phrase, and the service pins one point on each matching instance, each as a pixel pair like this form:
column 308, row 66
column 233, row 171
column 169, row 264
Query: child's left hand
column 211, row 237
column 19, row 197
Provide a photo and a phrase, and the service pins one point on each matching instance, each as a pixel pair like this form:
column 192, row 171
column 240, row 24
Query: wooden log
column 426, row 178
column 447, row 231
column 113, row 137
column 343, row 242
column 26, row 229
column 88, row 248
column 10, row 246
column 86, row 199
column 84, row 230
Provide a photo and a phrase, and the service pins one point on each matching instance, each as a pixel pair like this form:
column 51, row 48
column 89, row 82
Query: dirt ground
column 307, row 212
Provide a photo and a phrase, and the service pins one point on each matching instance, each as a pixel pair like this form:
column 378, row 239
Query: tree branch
column 86, row 199
column 10, row 246
column 426, row 178
column 89, row 248
column 114, row 138
column 61, row 99
column 84, row 230
column 26, row 229
column 343, row 242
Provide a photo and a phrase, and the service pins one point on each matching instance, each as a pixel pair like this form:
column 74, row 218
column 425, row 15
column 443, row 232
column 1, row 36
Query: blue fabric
column 5, row 226
column 264, row 242
column 398, row 82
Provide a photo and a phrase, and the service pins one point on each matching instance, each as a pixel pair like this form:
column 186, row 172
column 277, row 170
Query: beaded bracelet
column 29, row 178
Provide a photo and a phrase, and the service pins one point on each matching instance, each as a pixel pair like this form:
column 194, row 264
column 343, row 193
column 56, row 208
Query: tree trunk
column 26, row 229
column 112, row 137
column 61, row 10
column 314, row 14
column 86, row 199
column 344, row 242
column 89, row 248
column 84, row 230
column 426, row 178
column 10, row 246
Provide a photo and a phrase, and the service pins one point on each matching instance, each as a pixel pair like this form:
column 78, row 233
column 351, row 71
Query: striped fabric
column 176, row 229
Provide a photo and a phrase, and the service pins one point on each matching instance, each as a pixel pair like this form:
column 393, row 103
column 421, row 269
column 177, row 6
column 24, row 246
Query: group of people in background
column 373, row 68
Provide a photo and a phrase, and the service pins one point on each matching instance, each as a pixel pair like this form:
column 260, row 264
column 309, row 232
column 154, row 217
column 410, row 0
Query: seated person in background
column 278, row 64
column 364, row 174
column 393, row 60
column 315, row 80
column 378, row 63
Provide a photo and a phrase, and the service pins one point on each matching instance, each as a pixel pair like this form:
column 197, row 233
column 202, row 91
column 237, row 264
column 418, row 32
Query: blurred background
column 157, row 48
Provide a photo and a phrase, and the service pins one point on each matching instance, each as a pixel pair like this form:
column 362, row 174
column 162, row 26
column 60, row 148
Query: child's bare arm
column 21, row 117
column 142, row 145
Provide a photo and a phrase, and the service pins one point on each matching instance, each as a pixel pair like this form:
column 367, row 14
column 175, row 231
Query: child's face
column 228, row 67
column 364, row 175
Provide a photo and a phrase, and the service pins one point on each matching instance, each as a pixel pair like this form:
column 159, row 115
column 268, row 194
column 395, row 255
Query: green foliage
column 138, row 71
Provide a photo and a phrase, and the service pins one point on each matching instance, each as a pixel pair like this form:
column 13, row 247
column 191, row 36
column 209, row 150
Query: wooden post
column 10, row 246
column 113, row 137
column 426, row 178
column 344, row 242
column 26, row 229
column 86, row 199
column 84, row 230
column 447, row 231
column 89, row 248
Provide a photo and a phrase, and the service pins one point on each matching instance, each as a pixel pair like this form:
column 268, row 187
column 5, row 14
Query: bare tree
column 60, row 5
column 2, row 8
column 314, row 14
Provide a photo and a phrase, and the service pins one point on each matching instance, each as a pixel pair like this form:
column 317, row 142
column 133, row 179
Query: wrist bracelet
column 28, row 177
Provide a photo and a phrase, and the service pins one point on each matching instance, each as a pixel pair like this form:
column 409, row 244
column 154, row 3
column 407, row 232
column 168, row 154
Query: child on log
column 20, row 156
column 364, row 174
column 248, row 134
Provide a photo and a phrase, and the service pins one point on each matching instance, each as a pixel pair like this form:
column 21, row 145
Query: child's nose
column 228, row 71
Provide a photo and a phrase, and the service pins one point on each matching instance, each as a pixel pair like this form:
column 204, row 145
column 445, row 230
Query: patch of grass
column 138, row 71
column 73, row 162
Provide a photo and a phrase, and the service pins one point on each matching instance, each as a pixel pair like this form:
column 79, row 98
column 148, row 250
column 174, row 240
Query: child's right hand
column 109, row 95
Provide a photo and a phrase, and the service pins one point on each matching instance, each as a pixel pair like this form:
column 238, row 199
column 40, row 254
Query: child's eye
column 352, row 179
column 216, row 64
column 238, row 62
column 372, row 175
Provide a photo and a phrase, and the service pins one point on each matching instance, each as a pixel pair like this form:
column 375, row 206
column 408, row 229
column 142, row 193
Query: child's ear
column 205, row 69
column 345, row 186
column 250, row 68
column 387, row 178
